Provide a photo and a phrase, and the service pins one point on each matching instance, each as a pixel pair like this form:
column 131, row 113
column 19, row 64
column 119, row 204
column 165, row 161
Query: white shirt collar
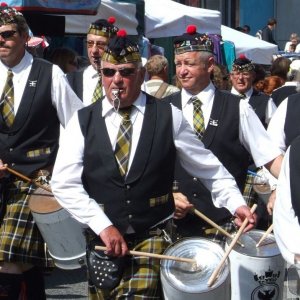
column 23, row 64
column 91, row 72
column 248, row 93
column 205, row 95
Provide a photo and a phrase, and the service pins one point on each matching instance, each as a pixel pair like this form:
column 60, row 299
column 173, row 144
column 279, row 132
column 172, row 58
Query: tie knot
column 10, row 73
column 125, row 113
column 242, row 95
column 196, row 101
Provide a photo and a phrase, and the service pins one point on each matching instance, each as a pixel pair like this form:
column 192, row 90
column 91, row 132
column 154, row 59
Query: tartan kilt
column 141, row 278
column 249, row 194
column 20, row 239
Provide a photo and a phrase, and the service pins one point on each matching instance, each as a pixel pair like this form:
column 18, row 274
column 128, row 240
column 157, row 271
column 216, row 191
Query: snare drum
column 62, row 233
column 256, row 272
column 185, row 281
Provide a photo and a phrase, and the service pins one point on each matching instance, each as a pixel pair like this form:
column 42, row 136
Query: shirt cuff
column 99, row 222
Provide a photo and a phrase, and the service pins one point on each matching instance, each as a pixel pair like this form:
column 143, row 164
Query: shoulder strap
column 159, row 93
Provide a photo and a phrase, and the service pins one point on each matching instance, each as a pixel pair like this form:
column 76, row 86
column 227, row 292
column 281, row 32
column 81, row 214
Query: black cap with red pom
column 104, row 27
column 191, row 41
column 121, row 49
column 242, row 64
column 9, row 15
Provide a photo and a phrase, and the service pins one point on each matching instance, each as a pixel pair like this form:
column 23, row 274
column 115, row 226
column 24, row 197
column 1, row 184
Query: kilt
column 20, row 239
column 141, row 278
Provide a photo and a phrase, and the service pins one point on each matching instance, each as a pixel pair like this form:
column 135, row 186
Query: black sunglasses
column 7, row 34
column 124, row 72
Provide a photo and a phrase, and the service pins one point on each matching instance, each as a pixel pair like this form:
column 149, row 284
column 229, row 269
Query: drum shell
column 256, row 273
column 62, row 233
column 179, row 285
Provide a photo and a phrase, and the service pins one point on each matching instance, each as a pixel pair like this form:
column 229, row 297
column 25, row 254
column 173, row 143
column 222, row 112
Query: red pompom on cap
column 3, row 4
column 242, row 56
column 122, row 33
column 111, row 20
column 191, row 29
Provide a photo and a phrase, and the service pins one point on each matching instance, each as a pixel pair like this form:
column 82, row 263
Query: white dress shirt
column 63, row 97
column 66, row 180
column 286, row 225
column 252, row 134
column 271, row 106
column 90, row 80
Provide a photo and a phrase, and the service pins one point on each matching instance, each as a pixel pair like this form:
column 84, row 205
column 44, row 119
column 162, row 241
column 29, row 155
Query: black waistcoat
column 35, row 131
column 292, row 119
column 295, row 176
column 76, row 82
column 283, row 92
column 259, row 102
column 143, row 198
column 222, row 138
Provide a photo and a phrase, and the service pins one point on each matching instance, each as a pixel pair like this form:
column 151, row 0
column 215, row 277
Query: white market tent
column 166, row 18
column 258, row 51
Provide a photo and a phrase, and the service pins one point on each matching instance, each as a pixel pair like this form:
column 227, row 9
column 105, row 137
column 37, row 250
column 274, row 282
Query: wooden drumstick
column 269, row 230
column 48, row 189
column 213, row 224
column 214, row 275
column 160, row 256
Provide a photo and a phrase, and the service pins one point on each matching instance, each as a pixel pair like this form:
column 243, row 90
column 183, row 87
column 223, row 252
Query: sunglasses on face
column 124, row 72
column 7, row 34
column 98, row 44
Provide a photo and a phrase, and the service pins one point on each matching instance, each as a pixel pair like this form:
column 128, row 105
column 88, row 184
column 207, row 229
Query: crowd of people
column 135, row 157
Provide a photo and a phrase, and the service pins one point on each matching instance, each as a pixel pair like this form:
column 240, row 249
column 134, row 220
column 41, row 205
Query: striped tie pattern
column 198, row 119
column 242, row 96
column 7, row 100
column 98, row 91
column 122, row 149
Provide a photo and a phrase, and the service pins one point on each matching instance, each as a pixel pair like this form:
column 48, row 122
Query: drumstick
column 160, row 256
column 213, row 224
column 269, row 230
column 28, row 179
column 214, row 275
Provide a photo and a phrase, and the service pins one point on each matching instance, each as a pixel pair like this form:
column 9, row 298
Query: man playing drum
column 119, row 154
column 225, row 124
column 35, row 100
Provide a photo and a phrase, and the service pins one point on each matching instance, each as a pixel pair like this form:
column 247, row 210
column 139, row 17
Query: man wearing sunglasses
column 87, row 82
column 119, row 154
column 230, row 129
column 35, row 99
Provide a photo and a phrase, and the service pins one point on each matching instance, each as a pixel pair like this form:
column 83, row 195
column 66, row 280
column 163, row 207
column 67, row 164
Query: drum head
column 43, row 202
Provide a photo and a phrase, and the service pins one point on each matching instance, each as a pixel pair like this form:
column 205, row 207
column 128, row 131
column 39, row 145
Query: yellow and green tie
column 7, row 100
column 198, row 119
column 98, row 91
column 122, row 149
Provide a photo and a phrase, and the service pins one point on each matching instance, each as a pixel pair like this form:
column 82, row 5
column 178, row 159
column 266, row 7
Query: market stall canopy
column 163, row 18
column 260, row 52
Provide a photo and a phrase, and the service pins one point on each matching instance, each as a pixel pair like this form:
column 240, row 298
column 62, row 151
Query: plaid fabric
column 198, row 119
column 123, row 141
column 8, row 100
column 98, row 91
column 20, row 239
column 141, row 279
column 249, row 194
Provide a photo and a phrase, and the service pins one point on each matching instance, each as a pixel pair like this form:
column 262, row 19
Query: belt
column 157, row 230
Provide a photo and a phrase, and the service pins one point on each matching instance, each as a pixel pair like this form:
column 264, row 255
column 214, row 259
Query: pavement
column 71, row 284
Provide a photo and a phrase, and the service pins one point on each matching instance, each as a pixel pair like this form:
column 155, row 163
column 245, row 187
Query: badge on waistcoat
column 213, row 122
column 32, row 83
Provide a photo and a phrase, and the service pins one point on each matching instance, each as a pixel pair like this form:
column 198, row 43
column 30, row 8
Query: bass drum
column 62, row 233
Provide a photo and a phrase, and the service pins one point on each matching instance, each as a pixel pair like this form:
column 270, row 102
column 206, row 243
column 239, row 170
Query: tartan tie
column 122, row 149
column 198, row 119
column 242, row 96
column 7, row 100
column 98, row 91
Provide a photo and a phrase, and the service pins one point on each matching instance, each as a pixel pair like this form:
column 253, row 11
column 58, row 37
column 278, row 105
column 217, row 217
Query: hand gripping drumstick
column 213, row 224
column 28, row 179
column 160, row 256
column 214, row 275
column 269, row 230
